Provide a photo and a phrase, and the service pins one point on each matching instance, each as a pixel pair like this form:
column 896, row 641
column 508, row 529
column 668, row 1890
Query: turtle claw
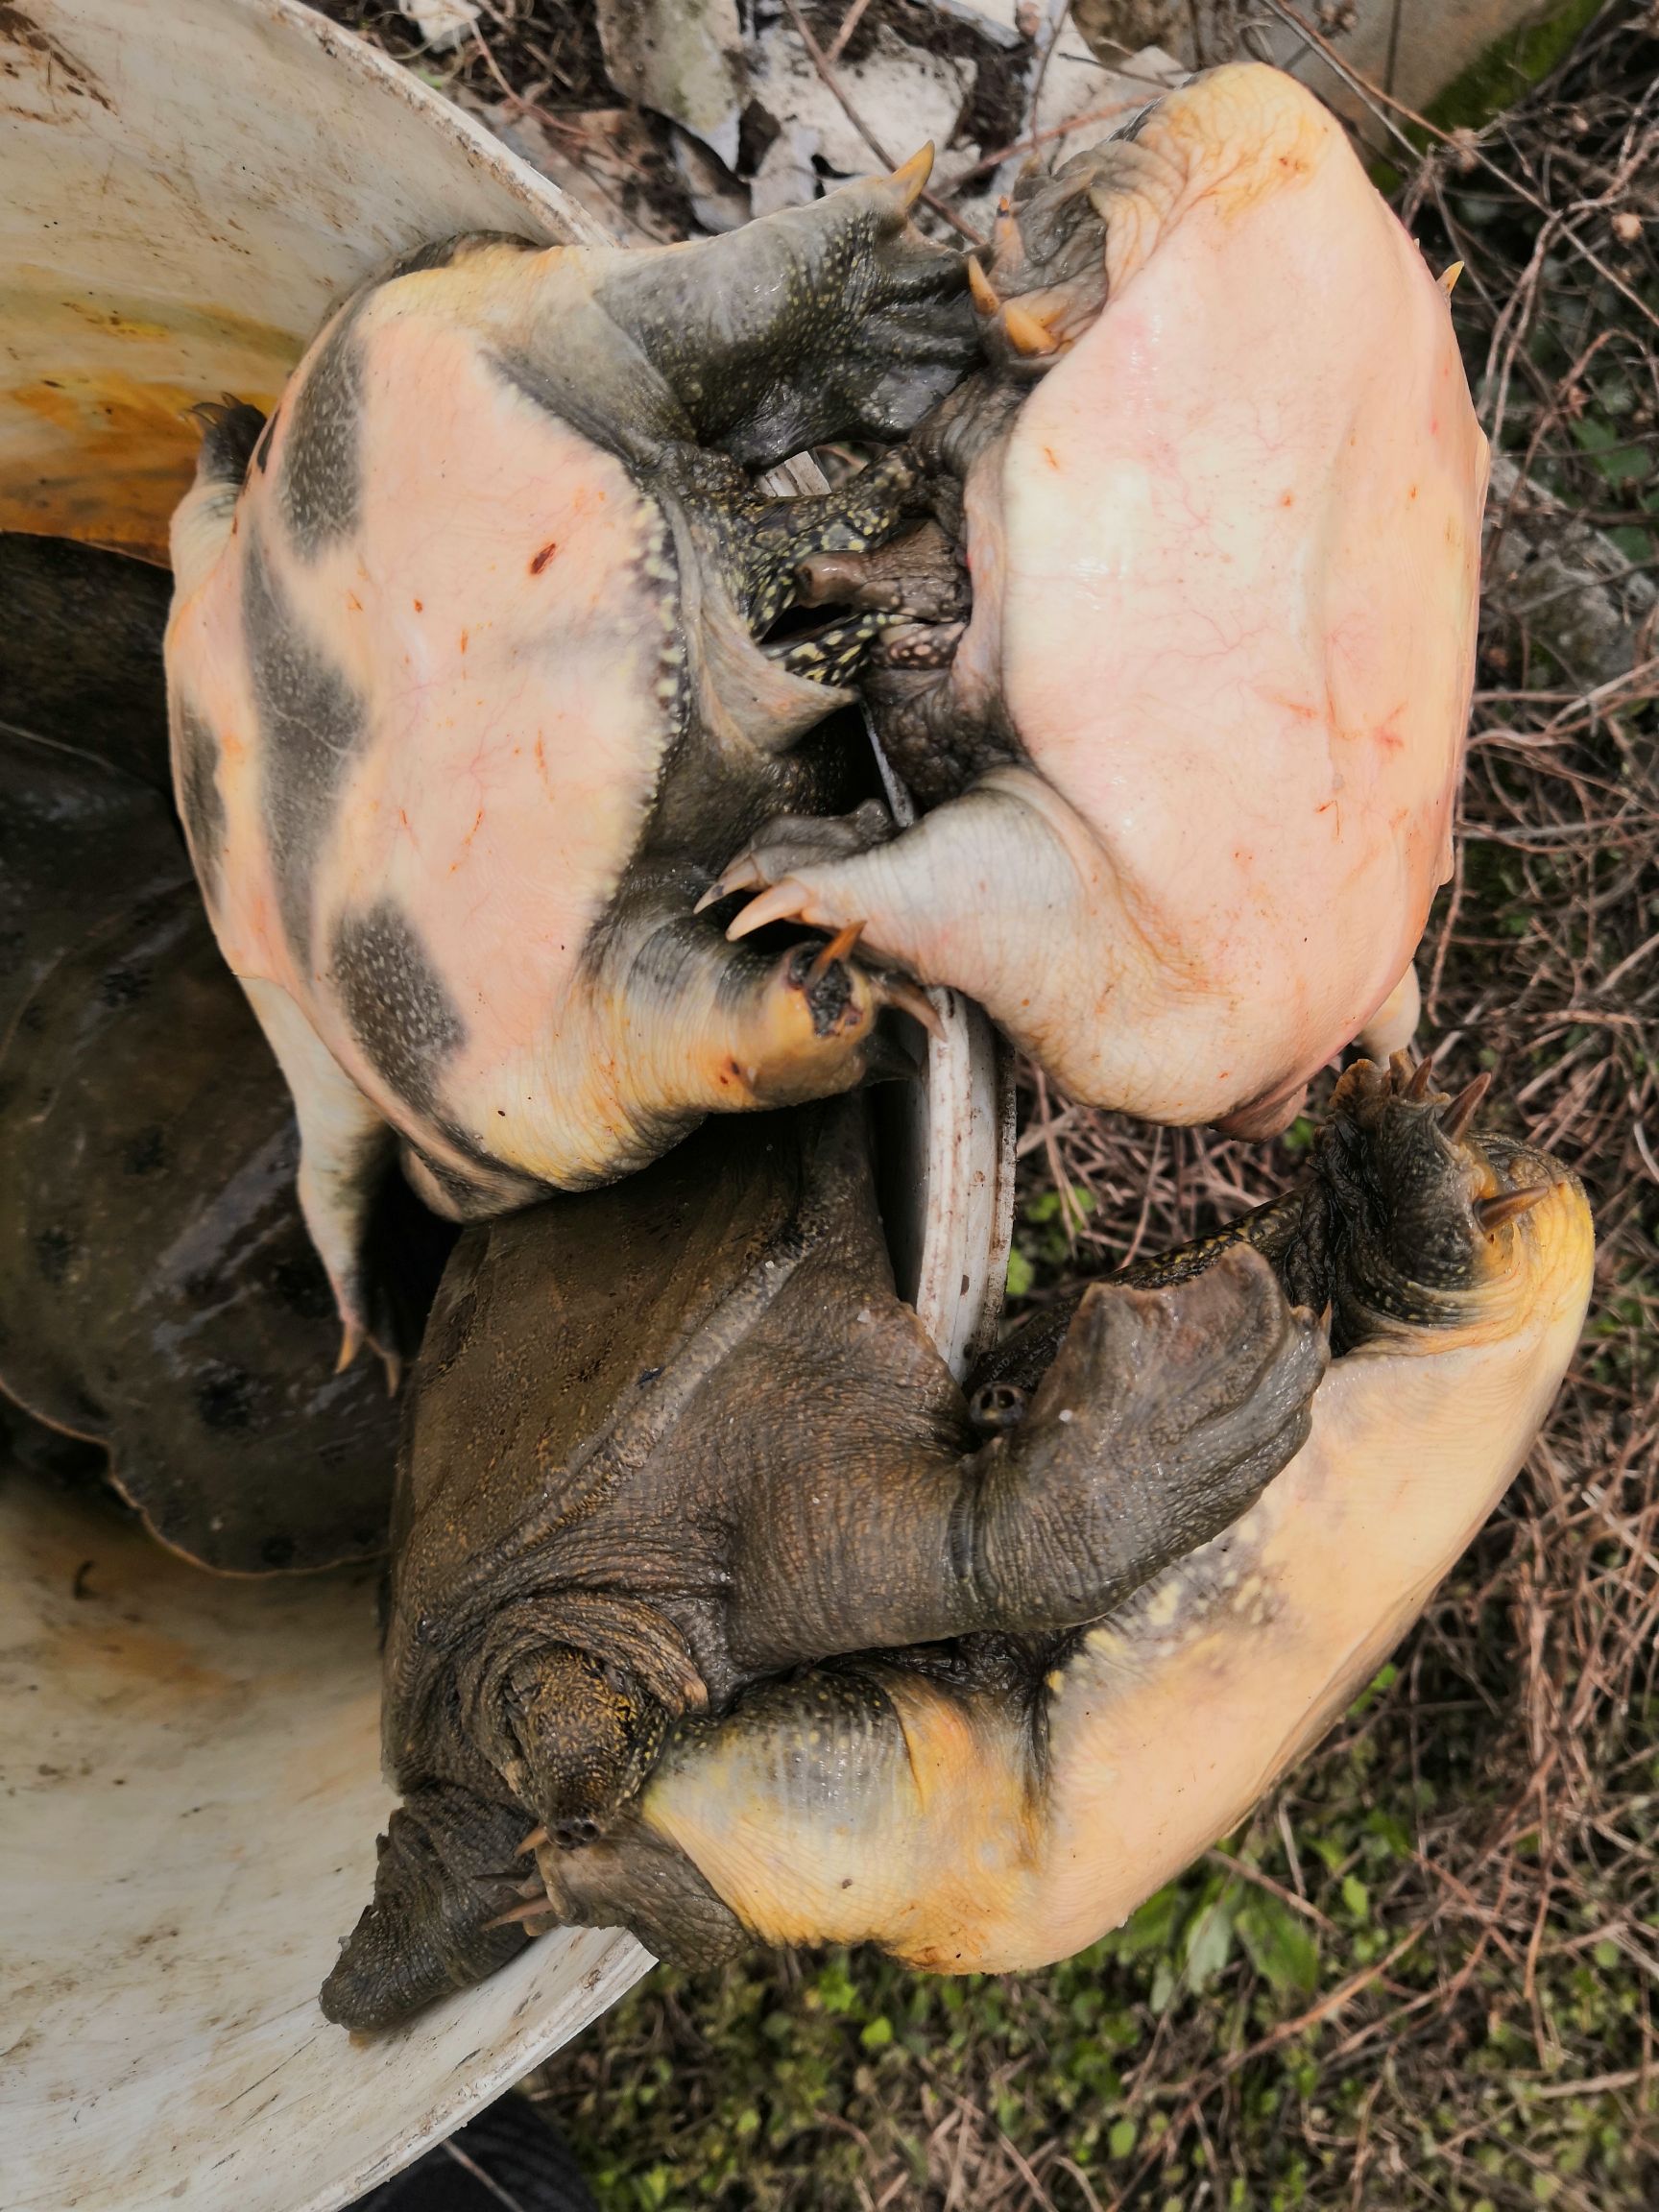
column 743, row 875
column 836, row 948
column 1465, row 1106
column 785, row 902
column 910, row 999
column 1508, row 1206
column 538, row 1908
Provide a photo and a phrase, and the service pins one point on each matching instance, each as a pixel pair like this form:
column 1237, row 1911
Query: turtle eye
column 997, row 1405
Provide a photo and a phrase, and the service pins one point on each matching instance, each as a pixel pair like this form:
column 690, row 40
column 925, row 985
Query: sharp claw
column 531, row 1842
column 711, row 897
column 1464, row 1107
column 1422, row 1075
column 781, row 904
column 394, row 1366
column 836, row 948
column 984, row 292
column 1448, row 277
column 538, row 1909
column 1025, row 334
column 911, row 176
column 910, row 999
column 351, row 1344
column 1507, row 1206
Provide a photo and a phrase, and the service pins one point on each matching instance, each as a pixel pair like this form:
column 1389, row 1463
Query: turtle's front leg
column 1001, row 893
column 1164, row 1415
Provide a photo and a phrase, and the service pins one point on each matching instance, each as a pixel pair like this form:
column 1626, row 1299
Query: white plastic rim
column 189, row 1768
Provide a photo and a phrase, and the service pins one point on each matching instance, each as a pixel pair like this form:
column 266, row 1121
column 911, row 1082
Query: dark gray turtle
column 1001, row 1801
column 158, row 1294
column 86, row 821
column 674, row 1436
column 471, row 689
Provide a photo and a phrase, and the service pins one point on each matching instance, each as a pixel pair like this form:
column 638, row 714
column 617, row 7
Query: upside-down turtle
column 1197, row 746
column 470, row 692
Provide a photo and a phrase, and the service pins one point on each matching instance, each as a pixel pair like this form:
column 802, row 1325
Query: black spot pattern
column 230, row 431
column 200, row 801
column 311, row 723
column 321, row 488
column 226, row 1397
column 146, row 1153
column 396, row 1002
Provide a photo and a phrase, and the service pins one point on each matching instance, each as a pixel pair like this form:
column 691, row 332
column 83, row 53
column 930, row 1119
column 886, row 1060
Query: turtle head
column 1414, row 1222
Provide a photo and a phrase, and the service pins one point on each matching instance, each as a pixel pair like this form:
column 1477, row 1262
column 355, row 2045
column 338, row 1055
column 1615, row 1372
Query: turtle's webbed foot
column 854, row 323
column 1165, row 1415
column 444, row 1890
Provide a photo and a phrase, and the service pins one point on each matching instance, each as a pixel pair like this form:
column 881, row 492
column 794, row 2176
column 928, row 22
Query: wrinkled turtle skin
column 1001, row 1801
column 1194, row 745
column 470, row 692
column 680, row 1435
column 160, row 1299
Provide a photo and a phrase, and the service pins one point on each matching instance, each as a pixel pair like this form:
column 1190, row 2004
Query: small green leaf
column 1606, row 1952
column 1356, row 1896
column 1021, row 1273
column 1209, row 1943
column 1121, row 2138
column 876, row 2032
column 1280, row 1945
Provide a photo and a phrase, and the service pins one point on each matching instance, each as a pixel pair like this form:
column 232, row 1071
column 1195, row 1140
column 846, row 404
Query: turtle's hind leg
column 345, row 1152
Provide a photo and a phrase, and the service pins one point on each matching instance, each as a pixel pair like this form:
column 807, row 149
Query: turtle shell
column 87, row 822
column 80, row 651
column 158, row 1294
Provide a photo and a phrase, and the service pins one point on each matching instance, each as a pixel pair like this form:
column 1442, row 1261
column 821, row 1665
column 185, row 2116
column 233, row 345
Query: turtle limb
column 1165, row 1415
column 837, row 319
column 789, row 840
column 345, row 1151
column 679, row 1023
column 447, row 1911
column 201, row 524
column 978, row 895
column 573, row 1725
